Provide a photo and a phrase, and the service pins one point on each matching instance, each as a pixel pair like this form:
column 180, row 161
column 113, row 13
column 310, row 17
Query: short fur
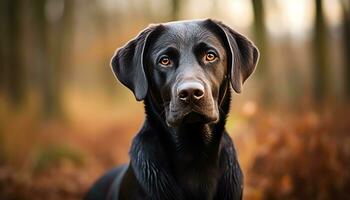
column 181, row 155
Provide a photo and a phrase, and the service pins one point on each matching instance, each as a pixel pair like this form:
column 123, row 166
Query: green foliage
column 50, row 156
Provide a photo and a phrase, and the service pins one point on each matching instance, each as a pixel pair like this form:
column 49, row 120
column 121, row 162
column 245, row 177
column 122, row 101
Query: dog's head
column 184, row 67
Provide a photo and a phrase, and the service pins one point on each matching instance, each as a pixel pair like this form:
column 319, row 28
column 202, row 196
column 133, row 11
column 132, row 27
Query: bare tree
column 175, row 9
column 321, row 82
column 262, row 43
column 12, row 69
column 53, row 43
column 346, row 42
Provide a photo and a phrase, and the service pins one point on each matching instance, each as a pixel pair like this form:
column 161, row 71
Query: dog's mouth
column 191, row 116
column 194, row 117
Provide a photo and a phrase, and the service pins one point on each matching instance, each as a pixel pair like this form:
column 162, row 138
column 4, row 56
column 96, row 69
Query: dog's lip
column 191, row 117
column 194, row 117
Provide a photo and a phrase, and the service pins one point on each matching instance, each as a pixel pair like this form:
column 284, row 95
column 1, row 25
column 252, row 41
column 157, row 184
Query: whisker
column 221, row 110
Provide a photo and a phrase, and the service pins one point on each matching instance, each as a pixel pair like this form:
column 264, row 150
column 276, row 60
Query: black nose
column 190, row 91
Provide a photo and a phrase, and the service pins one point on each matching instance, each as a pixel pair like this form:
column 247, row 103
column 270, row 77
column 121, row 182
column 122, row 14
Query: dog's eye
column 165, row 61
column 210, row 56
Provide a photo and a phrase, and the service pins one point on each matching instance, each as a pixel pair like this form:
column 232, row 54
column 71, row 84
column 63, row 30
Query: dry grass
column 285, row 155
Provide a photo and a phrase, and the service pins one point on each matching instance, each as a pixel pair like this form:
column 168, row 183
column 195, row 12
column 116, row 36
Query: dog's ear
column 128, row 63
column 242, row 53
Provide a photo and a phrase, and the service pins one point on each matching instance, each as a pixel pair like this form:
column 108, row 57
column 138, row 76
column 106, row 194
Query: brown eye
column 210, row 56
column 165, row 60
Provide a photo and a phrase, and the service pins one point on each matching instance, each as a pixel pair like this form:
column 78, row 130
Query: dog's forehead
column 183, row 28
column 182, row 25
column 185, row 33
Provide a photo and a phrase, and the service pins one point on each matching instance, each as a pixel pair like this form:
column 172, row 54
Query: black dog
column 184, row 72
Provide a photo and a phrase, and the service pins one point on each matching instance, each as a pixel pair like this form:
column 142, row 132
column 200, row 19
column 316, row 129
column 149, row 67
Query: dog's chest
column 198, row 183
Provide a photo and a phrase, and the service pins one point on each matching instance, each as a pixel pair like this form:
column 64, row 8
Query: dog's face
column 184, row 67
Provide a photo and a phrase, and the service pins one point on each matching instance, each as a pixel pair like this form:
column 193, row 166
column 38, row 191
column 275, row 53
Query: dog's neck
column 193, row 150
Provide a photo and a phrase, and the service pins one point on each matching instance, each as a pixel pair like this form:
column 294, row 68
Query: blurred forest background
column 64, row 119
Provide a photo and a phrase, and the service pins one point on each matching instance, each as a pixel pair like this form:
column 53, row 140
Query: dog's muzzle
column 192, row 103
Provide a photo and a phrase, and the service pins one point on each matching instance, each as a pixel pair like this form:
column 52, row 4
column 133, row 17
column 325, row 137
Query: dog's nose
column 190, row 91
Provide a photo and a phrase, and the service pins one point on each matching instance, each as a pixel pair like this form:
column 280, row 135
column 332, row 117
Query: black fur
column 195, row 157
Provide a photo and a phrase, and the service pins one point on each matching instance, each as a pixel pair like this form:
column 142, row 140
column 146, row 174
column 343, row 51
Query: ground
column 303, row 154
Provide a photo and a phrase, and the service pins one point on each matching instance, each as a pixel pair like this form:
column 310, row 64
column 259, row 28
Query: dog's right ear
column 128, row 63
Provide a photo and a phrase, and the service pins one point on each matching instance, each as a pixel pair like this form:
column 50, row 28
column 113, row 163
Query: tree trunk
column 3, row 46
column 321, row 82
column 261, row 42
column 12, row 69
column 53, row 46
column 44, row 68
column 175, row 9
column 346, row 43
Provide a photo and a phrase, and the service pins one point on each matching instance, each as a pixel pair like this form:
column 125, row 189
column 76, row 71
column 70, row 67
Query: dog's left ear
column 128, row 63
column 242, row 53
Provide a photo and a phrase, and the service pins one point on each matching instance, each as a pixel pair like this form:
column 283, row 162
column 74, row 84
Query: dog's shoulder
column 101, row 189
column 231, row 180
